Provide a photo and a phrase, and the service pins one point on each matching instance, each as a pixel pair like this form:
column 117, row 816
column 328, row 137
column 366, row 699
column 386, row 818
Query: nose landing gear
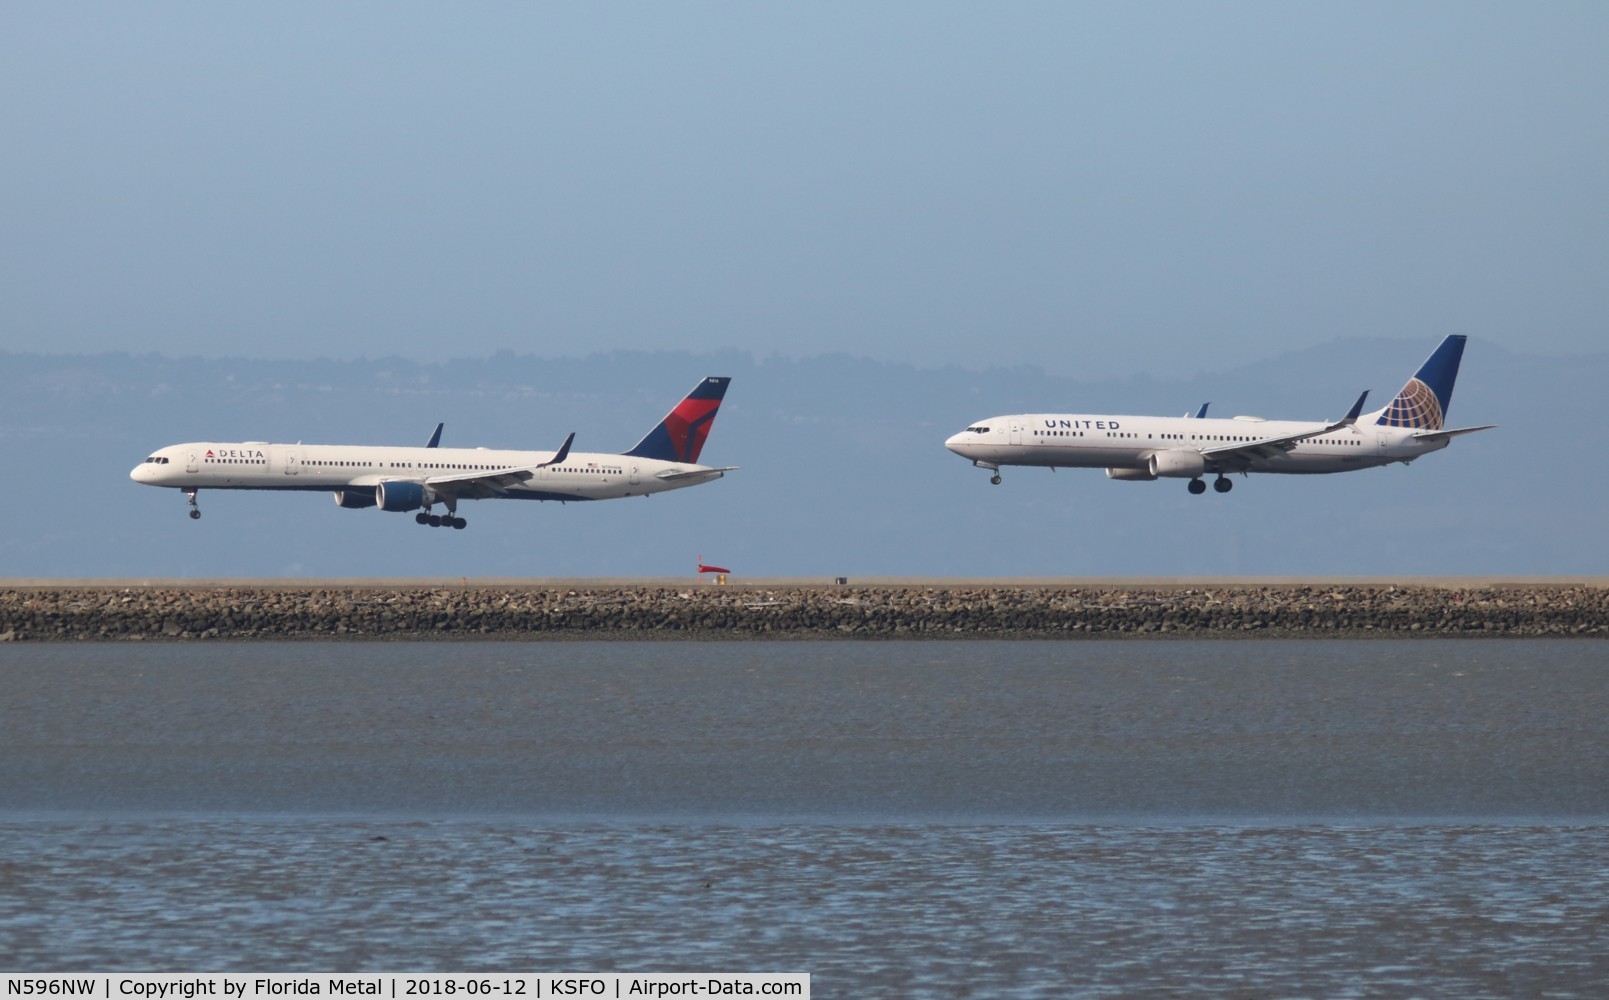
column 195, row 510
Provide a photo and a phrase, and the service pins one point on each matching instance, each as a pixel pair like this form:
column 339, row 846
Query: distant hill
column 843, row 470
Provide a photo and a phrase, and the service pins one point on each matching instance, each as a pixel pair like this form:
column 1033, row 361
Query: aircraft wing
column 497, row 483
column 1240, row 456
column 479, row 485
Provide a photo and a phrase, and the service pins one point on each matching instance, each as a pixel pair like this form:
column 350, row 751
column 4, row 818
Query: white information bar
column 406, row 986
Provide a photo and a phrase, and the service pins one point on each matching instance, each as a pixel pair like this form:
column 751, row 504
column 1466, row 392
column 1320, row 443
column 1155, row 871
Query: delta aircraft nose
column 148, row 472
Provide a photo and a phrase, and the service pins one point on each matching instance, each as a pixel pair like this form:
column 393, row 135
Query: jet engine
column 1132, row 475
column 354, row 499
column 1178, row 464
column 399, row 496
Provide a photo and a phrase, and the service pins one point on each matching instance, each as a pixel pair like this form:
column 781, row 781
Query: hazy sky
column 1091, row 188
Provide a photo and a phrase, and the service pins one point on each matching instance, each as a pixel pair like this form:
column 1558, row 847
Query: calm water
column 905, row 819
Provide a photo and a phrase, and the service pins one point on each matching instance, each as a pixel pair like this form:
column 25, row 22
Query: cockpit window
column 156, row 460
column 978, row 430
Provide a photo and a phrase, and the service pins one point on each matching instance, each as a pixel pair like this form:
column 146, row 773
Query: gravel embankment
column 176, row 612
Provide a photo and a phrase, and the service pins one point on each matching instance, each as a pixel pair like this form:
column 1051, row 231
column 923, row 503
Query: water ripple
column 908, row 910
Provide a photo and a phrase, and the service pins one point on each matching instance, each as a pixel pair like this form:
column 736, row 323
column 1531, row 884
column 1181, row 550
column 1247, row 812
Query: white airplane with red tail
column 401, row 479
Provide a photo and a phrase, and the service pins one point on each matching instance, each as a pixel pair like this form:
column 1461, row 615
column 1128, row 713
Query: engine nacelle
column 399, row 496
column 1178, row 464
column 1131, row 475
column 354, row 499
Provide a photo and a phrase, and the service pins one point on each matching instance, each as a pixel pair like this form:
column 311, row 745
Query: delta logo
column 233, row 453
column 689, row 425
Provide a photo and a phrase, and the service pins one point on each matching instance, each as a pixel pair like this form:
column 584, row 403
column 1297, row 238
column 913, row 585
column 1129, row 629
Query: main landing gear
column 1199, row 486
column 195, row 510
column 437, row 521
column 451, row 520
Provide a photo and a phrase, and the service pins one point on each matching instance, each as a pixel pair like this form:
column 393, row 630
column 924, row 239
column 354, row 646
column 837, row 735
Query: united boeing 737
column 417, row 479
column 1150, row 448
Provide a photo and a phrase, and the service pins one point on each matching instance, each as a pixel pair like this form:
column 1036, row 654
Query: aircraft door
column 634, row 476
column 192, row 461
column 292, row 464
column 1016, row 432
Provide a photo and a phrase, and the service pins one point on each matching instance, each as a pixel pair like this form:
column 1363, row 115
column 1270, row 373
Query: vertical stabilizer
column 680, row 436
column 1423, row 402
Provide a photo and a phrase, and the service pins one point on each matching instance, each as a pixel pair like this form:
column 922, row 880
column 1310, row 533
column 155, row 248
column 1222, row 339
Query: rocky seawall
column 312, row 611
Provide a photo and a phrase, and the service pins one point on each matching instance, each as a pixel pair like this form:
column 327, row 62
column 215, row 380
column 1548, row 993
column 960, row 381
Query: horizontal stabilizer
column 670, row 477
column 1445, row 435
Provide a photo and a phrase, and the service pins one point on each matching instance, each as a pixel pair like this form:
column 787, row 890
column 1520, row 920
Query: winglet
column 435, row 439
column 560, row 455
column 1352, row 414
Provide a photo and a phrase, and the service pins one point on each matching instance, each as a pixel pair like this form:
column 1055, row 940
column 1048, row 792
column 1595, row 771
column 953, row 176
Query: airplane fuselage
column 398, row 479
column 1130, row 443
column 1149, row 448
column 256, row 465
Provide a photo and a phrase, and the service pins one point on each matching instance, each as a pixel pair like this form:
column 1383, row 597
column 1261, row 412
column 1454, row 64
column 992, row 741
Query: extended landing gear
column 437, row 521
column 995, row 479
column 1199, row 486
column 195, row 510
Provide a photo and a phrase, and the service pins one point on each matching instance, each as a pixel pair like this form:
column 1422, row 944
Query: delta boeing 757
column 416, row 479
column 1150, row 448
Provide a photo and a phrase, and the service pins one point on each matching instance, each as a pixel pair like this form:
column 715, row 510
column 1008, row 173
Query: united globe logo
column 1415, row 406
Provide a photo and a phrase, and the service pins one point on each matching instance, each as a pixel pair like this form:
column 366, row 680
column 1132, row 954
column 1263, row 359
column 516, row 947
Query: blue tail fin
column 680, row 436
column 1423, row 402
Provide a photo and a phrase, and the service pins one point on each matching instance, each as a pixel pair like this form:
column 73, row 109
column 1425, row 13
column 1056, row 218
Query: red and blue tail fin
column 680, row 436
column 1423, row 402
